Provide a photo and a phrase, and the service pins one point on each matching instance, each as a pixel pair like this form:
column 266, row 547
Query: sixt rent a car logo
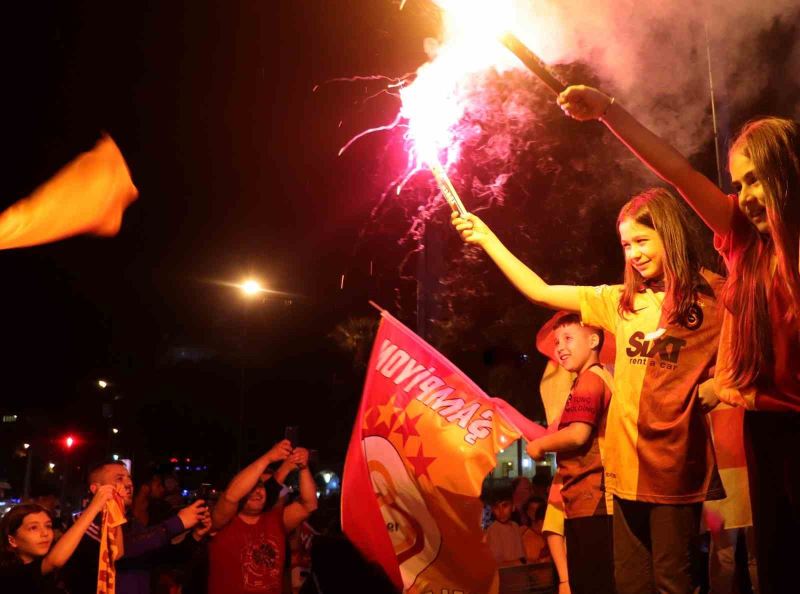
column 645, row 349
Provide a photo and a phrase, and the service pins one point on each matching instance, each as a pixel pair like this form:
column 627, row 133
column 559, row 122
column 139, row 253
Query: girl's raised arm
column 560, row 297
column 64, row 547
column 714, row 207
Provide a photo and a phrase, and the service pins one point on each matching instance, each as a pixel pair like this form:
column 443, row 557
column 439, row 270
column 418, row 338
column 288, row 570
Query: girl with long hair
column 659, row 461
column 28, row 556
column 757, row 231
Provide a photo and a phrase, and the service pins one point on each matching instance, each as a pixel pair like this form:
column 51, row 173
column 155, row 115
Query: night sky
column 235, row 157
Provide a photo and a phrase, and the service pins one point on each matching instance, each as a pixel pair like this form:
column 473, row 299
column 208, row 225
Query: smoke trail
column 652, row 54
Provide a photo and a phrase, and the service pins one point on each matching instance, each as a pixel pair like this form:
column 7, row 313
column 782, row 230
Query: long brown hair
column 658, row 209
column 9, row 526
column 773, row 145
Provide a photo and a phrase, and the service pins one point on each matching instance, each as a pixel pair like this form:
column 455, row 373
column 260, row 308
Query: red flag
column 88, row 195
column 424, row 439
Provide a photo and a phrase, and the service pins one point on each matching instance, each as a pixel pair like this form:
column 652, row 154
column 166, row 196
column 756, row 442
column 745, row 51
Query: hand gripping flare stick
column 446, row 186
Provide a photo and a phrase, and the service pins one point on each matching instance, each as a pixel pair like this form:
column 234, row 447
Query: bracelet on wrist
column 605, row 111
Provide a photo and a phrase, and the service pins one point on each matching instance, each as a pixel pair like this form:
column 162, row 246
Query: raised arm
column 296, row 512
column 585, row 103
column 475, row 231
column 244, row 482
column 64, row 547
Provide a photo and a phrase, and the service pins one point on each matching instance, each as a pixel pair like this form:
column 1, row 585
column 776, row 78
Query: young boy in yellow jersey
column 588, row 525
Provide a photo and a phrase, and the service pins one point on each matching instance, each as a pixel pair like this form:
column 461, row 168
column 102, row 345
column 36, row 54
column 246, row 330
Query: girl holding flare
column 757, row 232
column 660, row 463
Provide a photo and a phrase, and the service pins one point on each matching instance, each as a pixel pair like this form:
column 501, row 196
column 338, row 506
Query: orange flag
column 88, row 195
column 425, row 438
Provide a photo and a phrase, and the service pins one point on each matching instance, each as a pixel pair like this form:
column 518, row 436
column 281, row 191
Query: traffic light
column 69, row 441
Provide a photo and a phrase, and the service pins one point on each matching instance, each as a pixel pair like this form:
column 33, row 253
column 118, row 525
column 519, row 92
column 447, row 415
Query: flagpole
column 376, row 306
column 713, row 106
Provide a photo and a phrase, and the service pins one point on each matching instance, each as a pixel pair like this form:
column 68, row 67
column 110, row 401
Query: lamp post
column 26, row 488
column 250, row 288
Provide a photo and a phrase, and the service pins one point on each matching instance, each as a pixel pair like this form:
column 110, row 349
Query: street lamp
column 26, row 485
column 102, row 383
column 251, row 287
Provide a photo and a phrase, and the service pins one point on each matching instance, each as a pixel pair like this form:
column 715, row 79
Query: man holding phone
column 248, row 552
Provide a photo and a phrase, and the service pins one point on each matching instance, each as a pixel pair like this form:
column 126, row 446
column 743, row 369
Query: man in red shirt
column 248, row 552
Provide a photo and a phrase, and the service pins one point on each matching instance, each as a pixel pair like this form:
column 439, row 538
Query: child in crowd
column 521, row 492
column 757, row 232
column 28, row 556
column 659, row 462
column 533, row 541
column 578, row 441
column 504, row 535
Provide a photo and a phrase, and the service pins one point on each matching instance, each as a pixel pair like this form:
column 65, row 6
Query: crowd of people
column 256, row 536
column 637, row 461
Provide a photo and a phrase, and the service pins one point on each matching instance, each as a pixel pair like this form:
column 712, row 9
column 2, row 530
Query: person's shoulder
column 715, row 281
column 588, row 381
column 600, row 290
column 494, row 526
column 16, row 570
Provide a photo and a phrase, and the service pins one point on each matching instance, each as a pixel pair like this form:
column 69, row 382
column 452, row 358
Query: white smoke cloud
column 653, row 54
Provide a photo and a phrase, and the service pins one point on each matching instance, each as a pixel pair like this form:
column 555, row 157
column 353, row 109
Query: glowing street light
column 26, row 445
column 114, row 430
column 251, row 287
column 102, row 383
column 51, row 465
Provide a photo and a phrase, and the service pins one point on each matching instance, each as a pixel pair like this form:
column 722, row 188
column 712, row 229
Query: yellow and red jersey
column 657, row 446
column 581, row 469
column 779, row 389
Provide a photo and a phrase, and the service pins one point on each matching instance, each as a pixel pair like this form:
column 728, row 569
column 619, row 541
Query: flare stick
column 446, row 186
column 532, row 61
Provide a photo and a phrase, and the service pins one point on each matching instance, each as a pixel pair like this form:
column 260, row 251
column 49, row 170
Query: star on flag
column 421, row 462
column 408, row 427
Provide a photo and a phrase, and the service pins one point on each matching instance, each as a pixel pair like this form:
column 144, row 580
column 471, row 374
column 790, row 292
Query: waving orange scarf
column 88, row 195
column 113, row 516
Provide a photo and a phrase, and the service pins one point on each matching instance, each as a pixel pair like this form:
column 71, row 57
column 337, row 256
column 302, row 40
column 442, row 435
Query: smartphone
column 313, row 457
column 203, row 492
column 292, row 433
